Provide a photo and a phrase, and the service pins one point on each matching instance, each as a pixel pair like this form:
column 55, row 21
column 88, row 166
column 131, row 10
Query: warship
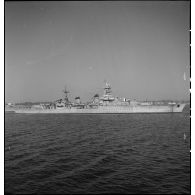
column 105, row 104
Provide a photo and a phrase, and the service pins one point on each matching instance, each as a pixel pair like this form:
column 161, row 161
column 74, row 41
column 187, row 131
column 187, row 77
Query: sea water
column 98, row 153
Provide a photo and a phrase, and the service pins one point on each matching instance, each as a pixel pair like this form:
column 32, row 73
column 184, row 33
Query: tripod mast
column 66, row 92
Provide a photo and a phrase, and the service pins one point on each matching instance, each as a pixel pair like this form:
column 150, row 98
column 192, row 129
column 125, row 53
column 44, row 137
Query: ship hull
column 110, row 109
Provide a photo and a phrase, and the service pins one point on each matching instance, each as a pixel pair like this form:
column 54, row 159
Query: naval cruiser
column 107, row 103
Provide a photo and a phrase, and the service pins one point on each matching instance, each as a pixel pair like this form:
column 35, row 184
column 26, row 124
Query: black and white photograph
column 97, row 97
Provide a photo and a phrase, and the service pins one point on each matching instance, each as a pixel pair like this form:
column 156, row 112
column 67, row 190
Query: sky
column 141, row 48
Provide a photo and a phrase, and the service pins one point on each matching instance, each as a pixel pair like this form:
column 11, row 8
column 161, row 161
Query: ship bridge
column 107, row 93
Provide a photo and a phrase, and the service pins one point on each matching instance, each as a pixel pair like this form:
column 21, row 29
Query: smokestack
column 78, row 100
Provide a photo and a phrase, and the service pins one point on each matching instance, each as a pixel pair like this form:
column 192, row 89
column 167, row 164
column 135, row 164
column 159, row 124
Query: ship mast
column 66, row 94
column 107, row 93
column 107, row 89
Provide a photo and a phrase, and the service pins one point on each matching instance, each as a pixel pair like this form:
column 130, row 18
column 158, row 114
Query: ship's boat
column 107, row 103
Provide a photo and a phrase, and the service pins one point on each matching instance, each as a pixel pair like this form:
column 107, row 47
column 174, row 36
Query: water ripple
column 141, row 153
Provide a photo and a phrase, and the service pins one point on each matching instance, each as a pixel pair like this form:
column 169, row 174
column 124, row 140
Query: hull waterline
column 109, row 110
